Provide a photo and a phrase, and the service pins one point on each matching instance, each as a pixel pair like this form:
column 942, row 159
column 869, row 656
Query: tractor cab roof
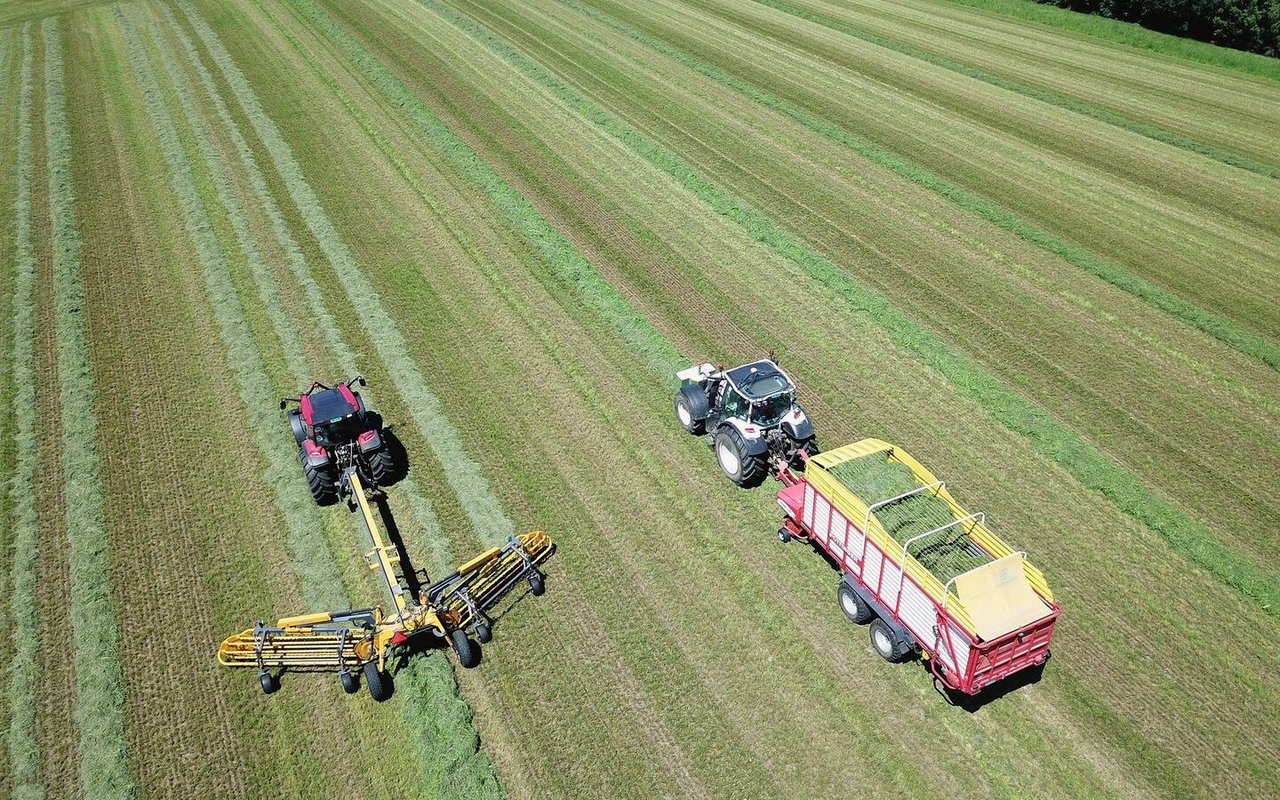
column 760, row 380
column 329, row 405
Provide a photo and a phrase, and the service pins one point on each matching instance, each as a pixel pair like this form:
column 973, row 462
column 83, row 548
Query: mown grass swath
column 320, row 314
column 1061, row 444
column 104, row 760
column 320, row 582
column 1131, row 34
column 23, row 751
column 420, row 506
column 1243, row 341
column 569, row 264
column 8, row 93
column 1054, row 98
column 268, row 291
column 462, row 472
column 438, row 717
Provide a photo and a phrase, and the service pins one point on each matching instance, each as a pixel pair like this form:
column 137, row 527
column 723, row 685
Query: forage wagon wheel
column 381, row 687
column 747, row 471
column 853, row 606
column 887, row 643
column 468, row 651
column 692, row 409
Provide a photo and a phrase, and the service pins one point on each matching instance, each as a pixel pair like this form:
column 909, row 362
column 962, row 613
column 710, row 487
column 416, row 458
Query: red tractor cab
column 335, row 431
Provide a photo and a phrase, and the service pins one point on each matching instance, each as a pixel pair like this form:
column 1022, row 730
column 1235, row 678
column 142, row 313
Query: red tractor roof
column 328, row 405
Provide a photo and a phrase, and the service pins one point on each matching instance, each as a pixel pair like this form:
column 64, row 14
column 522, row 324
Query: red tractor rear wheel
column 322, row 481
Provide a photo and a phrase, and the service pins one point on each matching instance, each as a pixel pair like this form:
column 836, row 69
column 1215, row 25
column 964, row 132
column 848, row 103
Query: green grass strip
column 1037, row 93
column 1221, row 329
column 321, row 583
column 1060, row 444
column 99, row 682
column 268, row 291
column 24, row 754
column 322, row 318
column 557, row 251
column 1132, row 35
column 463, row 473
column 7, row 456
column 439, row 719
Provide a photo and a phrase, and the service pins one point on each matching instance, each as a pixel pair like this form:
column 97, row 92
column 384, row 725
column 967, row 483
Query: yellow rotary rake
column 360, row 642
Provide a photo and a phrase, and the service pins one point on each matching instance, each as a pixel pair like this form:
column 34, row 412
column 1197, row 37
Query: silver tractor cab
column 749, row 415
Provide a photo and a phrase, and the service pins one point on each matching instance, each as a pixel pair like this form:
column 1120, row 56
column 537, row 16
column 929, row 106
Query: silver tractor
column 749, row 415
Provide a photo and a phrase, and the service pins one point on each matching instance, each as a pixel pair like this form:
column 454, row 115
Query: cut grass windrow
column 420, row 506
column 99, row 683
column 7, row 310
column 93, row 647
column 1131, row 34
column 24, row 758
column 1059, row 443
column 569, row 264
column 286, row 332
column 1240, row 340
column 462, row 472
column 321, row 584
column 1037, row 93
column 438, row 717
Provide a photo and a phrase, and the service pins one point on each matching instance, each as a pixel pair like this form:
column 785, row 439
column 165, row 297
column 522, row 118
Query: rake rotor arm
column 347, row 641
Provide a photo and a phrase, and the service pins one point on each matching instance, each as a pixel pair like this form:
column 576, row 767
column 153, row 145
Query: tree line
column 1251, row 25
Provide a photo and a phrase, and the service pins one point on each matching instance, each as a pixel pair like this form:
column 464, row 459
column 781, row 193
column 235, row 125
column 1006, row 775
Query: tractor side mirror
column 361, row 379
column 283, row 403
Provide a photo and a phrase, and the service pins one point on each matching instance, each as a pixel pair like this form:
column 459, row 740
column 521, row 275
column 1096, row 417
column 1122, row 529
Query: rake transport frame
column 975, row 629
column 362, row 640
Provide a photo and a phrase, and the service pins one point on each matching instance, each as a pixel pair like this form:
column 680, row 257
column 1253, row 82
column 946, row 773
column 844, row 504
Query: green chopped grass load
column 946, row 554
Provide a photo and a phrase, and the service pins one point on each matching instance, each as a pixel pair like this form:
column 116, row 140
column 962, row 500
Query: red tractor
column 334, row 432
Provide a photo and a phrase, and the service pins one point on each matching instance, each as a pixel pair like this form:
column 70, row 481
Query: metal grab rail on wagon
column 934, row 487
column 902, row 571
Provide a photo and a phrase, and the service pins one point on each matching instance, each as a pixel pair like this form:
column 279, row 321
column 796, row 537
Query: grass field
column 1040, row 256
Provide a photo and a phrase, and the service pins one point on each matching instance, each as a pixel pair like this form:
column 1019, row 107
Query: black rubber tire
column 322, row 481
column 382, row 468
column 784, row 535
column 270, row 683
column 751, row 470
column 296, row 425
column 381, row 687
column 537, row 586
column 468, row 652
column 691, row 404
column 886, row 642
column 853, row 606
column 484, row 634
column 350, row 683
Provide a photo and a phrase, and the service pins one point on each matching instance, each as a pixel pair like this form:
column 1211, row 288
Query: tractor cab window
column 335, row 419
column 330, row 404
column 735, row 405
column 769, row 412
